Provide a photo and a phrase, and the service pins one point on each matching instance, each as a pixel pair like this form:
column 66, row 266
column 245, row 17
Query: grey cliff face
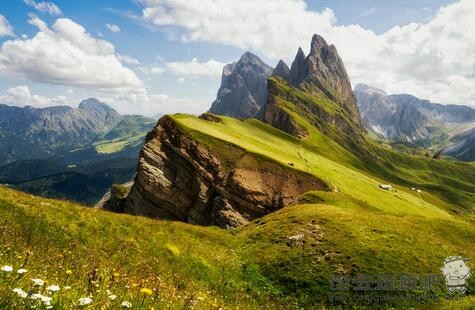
column 179, row 178
column 243, row 87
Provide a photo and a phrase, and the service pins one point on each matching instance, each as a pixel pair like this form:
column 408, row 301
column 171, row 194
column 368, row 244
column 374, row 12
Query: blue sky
column 168, row 55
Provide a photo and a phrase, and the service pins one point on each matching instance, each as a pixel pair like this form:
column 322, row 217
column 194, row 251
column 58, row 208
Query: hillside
column 207, row 267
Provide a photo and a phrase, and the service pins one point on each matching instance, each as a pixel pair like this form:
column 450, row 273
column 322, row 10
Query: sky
column 166, row 56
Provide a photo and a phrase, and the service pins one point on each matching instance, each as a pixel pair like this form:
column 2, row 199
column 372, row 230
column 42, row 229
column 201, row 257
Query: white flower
column 67, row 287
column 85, row 301
column 44, row 299
column 7, row 268
column 38, row 282
column 108, row 292
column 53, row 288
column 126, row 304
column 21, row 270
column 20, row 292
column 112, row 297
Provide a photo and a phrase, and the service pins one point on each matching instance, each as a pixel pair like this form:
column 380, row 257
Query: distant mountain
column 243, row 87
column 29, row 133
column 62, row 152
column 463, row 146
column 405, row 117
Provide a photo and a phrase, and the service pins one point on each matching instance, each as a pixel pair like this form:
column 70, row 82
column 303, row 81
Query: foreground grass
column 95, row 252
column 100, row 255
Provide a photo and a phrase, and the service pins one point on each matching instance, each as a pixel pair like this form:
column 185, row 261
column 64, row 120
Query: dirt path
column 299, row 149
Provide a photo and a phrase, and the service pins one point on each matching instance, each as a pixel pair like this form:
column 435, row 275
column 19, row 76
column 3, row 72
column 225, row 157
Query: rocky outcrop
column 179, row 178
column 243, row 87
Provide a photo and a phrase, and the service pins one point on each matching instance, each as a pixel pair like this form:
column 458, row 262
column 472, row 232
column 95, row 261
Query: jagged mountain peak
column 281, row 70
column 243, row 87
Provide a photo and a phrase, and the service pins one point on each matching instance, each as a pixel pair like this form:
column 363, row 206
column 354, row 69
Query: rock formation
column 243, row 87
column 318, row 90
column 180, row 178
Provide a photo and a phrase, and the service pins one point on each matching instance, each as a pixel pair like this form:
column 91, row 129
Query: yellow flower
column 69, row 272
column 146, row 291
column 116, row 274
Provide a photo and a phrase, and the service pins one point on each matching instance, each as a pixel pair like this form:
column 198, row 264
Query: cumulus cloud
column 66, row 54
column 44, row 7
column 189, row 69
column 430, row 59
column 21, row 96
column 151, row 104
column 5, row 28
column 194, row 68
column 113, row 28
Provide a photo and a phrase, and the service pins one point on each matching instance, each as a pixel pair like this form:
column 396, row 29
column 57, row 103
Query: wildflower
column 67, row 287
column 112, row 297
column 146, row 291
column 85, row 301
column 69, row 272
column 38, row 282
column 53, row 288
column 44, row 299
column 7, row 268
column 126, row 304
column 21, row 271
column 116, row 274
column 20, row 292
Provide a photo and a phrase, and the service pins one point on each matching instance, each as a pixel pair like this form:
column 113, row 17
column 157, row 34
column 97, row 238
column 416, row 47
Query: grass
column 97, row 253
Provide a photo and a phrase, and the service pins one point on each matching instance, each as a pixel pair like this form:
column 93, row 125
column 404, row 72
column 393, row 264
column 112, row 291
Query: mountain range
column 406, row 118
column 70, row 153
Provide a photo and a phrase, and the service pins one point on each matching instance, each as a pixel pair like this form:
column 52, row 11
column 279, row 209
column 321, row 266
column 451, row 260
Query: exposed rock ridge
column 179, row 178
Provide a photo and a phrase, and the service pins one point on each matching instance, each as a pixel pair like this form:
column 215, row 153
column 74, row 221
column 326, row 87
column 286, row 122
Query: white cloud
column 157, row 70
column 113, row 28
column 5, row 27
column 44, row 6
column 66, row 54
column 431, row 59
column 127, row 59
column 22, row 96
column 189, row 69
column 367, row 13
column 149, row 105
column 194, row 68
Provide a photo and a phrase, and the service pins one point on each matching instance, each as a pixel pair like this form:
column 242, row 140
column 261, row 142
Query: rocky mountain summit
column 322, row 71
column 39, row 132
column 317, row 88
column 243, row 87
